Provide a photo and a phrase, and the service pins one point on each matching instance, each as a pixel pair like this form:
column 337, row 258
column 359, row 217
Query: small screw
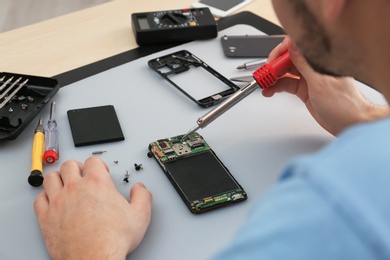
column 116, row 162
column 30, row 98
column 21, row 98
column 10, row 110
column 98, row 152
column 24, row 106
column 127, row 175
column 150, row 154
column 137, row 166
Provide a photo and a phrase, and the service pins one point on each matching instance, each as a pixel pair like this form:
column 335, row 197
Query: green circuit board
column 176, row 147
column 201, row 179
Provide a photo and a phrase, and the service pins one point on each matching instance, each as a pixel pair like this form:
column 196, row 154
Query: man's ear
column 332, row 9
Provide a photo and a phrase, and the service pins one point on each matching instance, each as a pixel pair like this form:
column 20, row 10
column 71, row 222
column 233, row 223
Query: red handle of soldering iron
column 269, row 73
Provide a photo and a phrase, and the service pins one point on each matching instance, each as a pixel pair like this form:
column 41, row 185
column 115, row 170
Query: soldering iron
column 264, row 77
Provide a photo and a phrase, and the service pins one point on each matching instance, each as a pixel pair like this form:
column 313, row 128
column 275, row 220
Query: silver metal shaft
column 13, row 93
column 5, row 83
column 223, row 107
column 10, row 87
column 52, row 110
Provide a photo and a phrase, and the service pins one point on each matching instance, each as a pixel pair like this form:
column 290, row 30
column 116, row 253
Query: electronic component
column 180, row 68
column 195, row 142
column 95, row 125
column 163, row 144
column 174, row 26
column 201, row 179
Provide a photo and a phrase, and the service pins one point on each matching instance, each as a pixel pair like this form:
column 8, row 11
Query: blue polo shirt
column 334, row 204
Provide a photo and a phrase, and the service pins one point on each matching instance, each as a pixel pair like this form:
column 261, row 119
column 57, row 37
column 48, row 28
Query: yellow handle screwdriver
column 36, row 177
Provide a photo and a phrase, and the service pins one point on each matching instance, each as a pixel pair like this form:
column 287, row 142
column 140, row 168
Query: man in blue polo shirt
column 330, row 205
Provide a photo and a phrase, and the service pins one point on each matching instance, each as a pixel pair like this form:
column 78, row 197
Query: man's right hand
column 335, row 103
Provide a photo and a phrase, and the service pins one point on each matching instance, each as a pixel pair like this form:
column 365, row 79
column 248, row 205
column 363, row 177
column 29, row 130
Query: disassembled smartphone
column 255, row 46
column 221, row 8
column 194, row 78
column 196, row 172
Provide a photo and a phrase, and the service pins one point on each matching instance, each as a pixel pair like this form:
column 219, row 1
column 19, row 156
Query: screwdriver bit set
column 22, row 97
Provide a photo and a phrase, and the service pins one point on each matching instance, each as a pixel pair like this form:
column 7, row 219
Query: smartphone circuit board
column 198, row 175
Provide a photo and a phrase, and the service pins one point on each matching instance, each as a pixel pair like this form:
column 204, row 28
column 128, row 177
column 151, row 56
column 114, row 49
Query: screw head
column 138, row 166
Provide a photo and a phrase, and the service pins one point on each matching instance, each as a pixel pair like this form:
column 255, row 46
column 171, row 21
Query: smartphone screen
column 198, row 175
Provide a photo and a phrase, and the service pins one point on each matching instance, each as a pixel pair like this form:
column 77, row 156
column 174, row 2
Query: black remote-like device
column 174, row 26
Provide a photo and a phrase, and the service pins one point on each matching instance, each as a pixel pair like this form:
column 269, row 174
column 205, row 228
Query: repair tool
column 22, row 97
column 265, row 76
column 10, row 87
column 252, row 64
column 51, row 154
column 36, row 177
column 5, row 83
column 174, row 26
column 242, row 79
column 9, row 97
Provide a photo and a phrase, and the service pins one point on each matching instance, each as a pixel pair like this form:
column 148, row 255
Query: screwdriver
column 51, row 154
column 36, row 178
column 265, row 77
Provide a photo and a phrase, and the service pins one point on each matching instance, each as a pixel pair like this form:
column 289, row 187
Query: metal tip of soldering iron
column 185, row 137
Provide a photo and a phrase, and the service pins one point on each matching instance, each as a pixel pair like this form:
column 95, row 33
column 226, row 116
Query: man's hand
column 83, row 216
column 335, row 103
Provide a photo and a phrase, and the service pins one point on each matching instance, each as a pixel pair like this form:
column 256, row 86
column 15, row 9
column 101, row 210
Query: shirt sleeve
column 293, row 221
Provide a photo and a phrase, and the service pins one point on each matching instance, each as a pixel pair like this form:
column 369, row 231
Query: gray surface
column 18, row 13
column 255, row 140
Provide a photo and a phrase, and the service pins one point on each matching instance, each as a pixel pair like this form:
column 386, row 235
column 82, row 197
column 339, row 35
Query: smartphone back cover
column 254, row 46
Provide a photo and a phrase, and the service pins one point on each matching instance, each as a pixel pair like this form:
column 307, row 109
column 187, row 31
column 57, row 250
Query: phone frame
column 182, row 61
column 219, row 12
